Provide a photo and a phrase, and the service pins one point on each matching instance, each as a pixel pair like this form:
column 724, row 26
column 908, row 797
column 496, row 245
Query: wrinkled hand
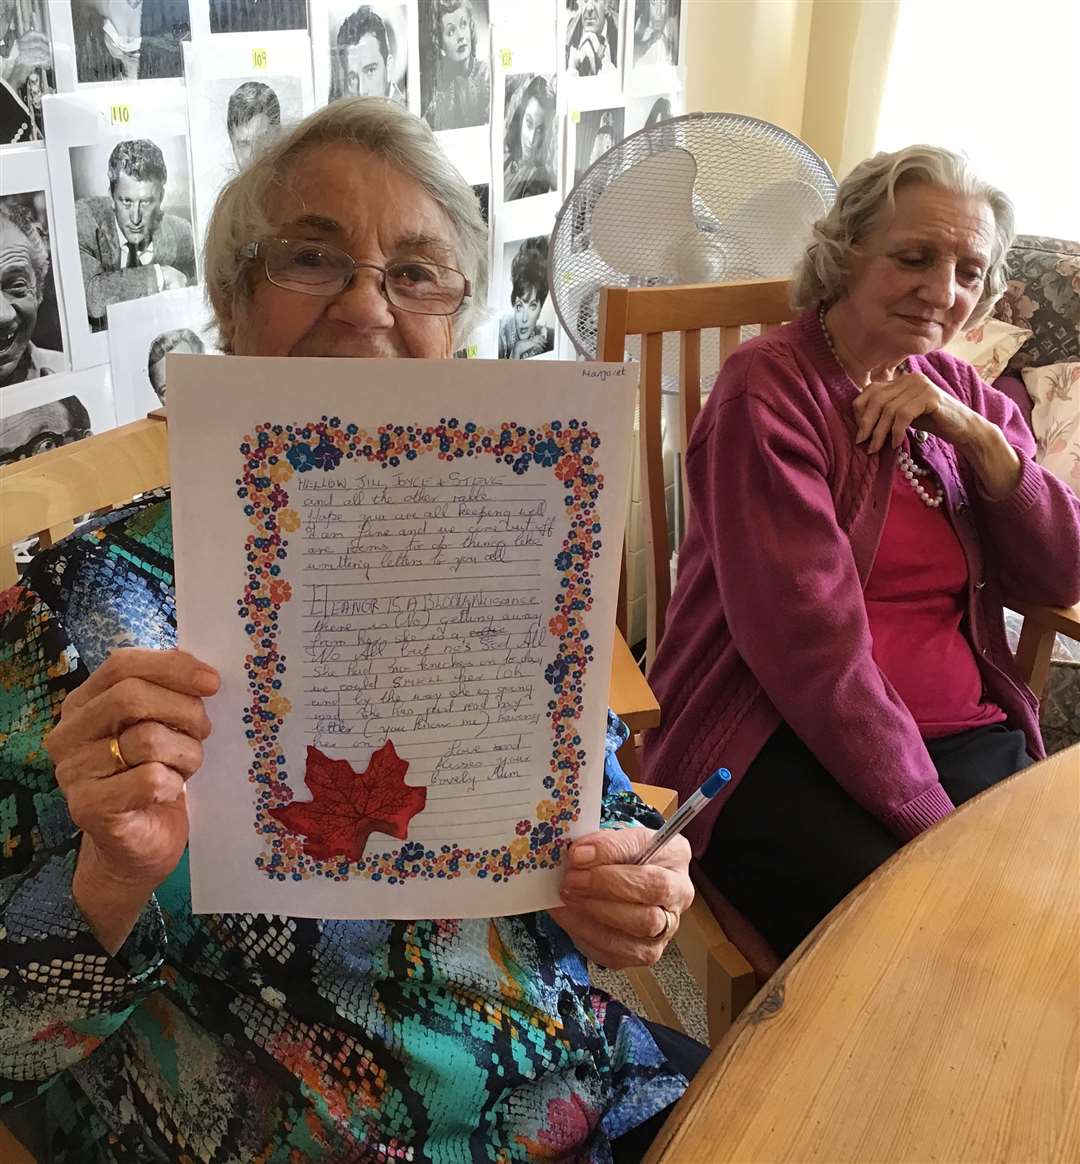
column 525, row 349
column 885, row 409
column 134, row 821
column 31, row 51
column 614, row 909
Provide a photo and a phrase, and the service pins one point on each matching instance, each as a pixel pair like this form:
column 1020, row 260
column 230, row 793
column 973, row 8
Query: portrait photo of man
column 125, row 41
column 592, row 37
column 656, row 32
column 257, row 15
column 253, row 115
column 25, row 316
column 181, row 340
column 26, row 69
column 43, row 427
column 129, row 246
column 369, row 53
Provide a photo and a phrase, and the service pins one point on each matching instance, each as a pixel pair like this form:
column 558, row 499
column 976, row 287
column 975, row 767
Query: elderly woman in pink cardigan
column 861, row 506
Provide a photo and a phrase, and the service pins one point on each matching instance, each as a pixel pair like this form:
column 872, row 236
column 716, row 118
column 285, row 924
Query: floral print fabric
column 286, row 1040
column 1043, row 294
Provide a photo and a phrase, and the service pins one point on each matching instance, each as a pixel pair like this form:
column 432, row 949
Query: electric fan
column 704, row 198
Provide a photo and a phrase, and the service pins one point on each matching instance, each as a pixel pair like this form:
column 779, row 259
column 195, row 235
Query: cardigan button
column 980, row 584
column 921, row 435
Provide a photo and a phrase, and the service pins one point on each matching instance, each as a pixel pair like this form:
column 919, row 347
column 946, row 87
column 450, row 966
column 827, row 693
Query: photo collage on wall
column 121, row 123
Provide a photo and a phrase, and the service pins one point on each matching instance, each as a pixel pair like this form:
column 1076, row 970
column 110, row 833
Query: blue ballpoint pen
column 685, row 813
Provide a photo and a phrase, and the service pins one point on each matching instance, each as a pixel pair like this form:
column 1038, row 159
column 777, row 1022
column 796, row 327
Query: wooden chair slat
column 689, row 400
column 694, row 306
column 653, row 501
column 730, row 338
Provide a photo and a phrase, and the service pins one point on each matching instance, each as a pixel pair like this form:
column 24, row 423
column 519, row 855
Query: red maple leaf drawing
column 348, row 806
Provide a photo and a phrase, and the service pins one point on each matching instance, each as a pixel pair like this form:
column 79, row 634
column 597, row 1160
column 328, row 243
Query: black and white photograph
column 591, row 38
column 596, row 132
column 483, row 196
column 233, row 108
column 142, row 334
column 116, row 40
column 367, row 50
column 656, row 32
column 530, row 136
column 31, row 339
column 257, row 15
column 231, row 117
column 455, row 80
column 26, row 70
column 39, row 415
column 649, row 112
column 133, row 221
column 527, row 317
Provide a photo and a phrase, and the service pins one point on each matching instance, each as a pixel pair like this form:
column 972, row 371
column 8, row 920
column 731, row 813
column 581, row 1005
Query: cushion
column 989, row 347
column 1055, row 419
column 1043, row 294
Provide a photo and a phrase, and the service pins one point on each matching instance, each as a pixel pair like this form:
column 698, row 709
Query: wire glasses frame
column 317, row 268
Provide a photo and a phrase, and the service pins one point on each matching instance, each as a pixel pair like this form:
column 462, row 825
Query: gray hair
column 378, row 125
column 823, row 270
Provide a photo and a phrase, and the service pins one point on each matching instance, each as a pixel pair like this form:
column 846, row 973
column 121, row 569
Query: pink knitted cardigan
column 768, row 624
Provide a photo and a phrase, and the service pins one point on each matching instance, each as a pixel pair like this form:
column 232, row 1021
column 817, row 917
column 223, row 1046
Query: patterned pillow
column 989, row 347
column 1043, row 293
column 1055, row 419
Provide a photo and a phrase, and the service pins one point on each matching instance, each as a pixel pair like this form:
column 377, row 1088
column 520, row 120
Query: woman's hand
column 885, row 409
column 133, row 819
column 615, row 910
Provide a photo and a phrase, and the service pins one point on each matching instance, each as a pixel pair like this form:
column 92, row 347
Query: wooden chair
column 652, row 312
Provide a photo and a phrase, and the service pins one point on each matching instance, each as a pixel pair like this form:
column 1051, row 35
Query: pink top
column 768, row 622
column 915, row 605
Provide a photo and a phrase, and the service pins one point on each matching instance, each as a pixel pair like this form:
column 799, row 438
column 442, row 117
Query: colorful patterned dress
column 257, row 1038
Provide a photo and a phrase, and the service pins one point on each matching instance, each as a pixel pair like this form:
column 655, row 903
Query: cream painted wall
column 749, row 56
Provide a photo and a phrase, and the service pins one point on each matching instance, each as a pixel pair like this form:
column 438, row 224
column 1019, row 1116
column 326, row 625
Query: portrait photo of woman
column 530, row 136
column 455, row 84
column 522, row 334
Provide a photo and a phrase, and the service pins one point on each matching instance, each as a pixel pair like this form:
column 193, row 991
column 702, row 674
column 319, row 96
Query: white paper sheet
column 405, row 550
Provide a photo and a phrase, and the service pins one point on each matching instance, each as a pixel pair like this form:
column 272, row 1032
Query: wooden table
column 933, row 1016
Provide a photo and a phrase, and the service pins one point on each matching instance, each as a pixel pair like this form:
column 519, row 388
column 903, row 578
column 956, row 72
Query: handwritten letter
column 365, row 568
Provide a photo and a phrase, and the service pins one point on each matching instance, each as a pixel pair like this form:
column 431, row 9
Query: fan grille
column 755, row 192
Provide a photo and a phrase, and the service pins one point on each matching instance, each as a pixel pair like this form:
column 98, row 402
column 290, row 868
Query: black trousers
column 687, row 1056
column 791, row 844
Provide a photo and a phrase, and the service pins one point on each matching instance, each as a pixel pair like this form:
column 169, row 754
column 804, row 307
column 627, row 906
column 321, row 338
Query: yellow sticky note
column 575, row 116
column 507, row 58
column 259, row 58
column 472, row 351
column 120, row 114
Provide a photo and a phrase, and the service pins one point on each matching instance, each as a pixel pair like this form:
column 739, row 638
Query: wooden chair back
column 651, row 312
column 44, row 495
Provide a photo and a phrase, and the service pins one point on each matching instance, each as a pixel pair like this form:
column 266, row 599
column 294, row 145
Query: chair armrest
column 630, row 695
column 664, row 800
column 11, row 1151
column 1063, row 620
column 1041, row 625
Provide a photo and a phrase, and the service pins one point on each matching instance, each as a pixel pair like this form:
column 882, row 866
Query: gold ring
column 114, row 747
column 671, row 924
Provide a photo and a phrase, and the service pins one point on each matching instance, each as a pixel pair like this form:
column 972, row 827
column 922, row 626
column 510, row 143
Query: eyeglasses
column 42, row 443
column 315, row 268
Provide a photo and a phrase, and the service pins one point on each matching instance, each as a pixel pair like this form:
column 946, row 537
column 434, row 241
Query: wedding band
column 671, row 924
column 114, row 747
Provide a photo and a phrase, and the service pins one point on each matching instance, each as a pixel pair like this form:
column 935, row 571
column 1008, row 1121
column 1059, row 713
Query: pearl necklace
column 911, row 471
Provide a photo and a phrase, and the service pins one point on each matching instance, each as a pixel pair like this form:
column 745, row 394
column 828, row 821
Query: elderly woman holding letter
column 239, row 1036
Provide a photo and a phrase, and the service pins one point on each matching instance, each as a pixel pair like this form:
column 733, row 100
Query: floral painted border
column 271, row 458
